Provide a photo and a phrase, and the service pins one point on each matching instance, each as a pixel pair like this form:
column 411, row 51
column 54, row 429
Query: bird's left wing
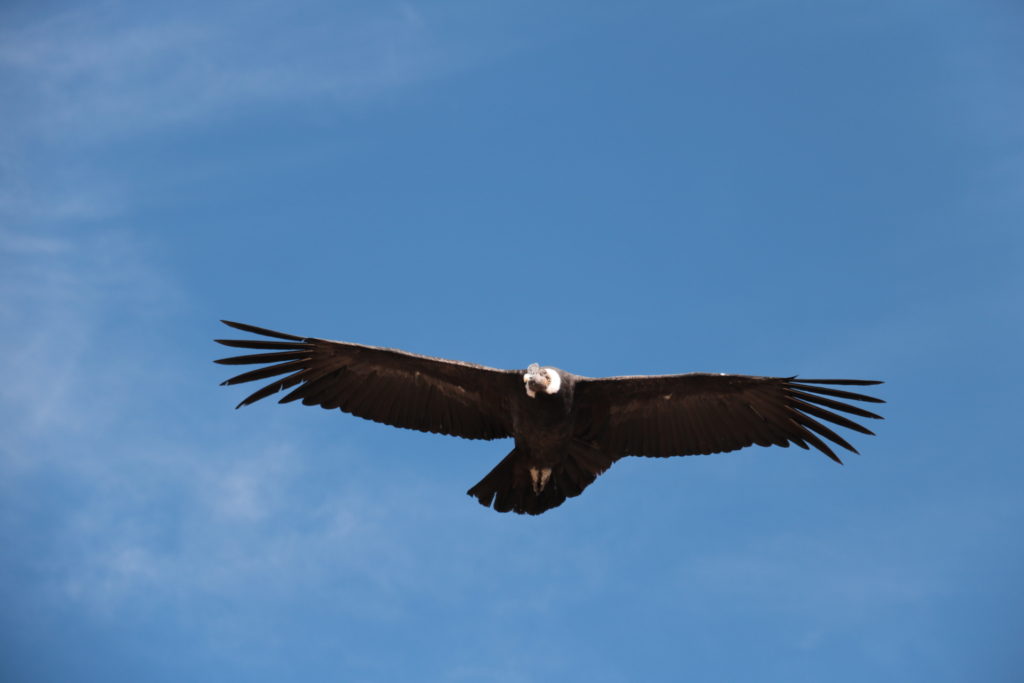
column 384, row 385
column 703, row 413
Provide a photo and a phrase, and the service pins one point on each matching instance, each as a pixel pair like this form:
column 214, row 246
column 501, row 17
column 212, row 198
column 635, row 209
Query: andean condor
column 568, row 429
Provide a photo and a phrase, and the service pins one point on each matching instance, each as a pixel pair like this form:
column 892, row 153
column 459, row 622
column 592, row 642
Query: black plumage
column 568, row 429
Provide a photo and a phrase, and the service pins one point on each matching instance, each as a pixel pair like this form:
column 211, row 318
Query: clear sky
column 752, row 186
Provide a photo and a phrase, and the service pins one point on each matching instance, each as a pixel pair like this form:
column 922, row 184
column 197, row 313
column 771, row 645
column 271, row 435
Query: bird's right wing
column 702, row 413
column 384, row 385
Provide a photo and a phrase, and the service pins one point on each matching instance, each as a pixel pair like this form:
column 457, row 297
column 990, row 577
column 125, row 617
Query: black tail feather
column 509, row 486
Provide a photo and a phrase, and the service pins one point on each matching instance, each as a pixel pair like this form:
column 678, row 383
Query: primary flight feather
column 568, row 429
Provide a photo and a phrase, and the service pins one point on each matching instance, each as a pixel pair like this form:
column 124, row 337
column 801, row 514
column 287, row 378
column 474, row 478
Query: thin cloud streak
column 95, row 74
column 56, row 292
column 69, row 402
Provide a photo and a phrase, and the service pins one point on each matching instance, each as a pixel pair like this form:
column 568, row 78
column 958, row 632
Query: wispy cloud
column 93, row 77
column 230, row 527
column 113, row 69
column 156, row 513
column 56, row 293
column 18, row 243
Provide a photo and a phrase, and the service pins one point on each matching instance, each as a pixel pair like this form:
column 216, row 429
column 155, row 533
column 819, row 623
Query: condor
column 568, row 429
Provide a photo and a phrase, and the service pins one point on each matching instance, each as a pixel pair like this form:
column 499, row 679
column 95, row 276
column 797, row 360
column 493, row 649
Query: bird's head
column 538, row 379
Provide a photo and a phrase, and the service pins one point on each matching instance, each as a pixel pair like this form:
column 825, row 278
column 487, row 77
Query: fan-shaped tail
column 517, row 484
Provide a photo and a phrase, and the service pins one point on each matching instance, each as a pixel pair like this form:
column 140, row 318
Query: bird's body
column 568, row 429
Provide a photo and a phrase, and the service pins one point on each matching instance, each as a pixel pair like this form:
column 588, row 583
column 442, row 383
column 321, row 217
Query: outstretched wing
column 702, row 413
column 384, row 385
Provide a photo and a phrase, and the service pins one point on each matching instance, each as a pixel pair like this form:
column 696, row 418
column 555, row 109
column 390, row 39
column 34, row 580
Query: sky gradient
column 831, row 189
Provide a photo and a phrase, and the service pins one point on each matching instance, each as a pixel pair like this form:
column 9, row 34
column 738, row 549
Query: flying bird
column 568, row 429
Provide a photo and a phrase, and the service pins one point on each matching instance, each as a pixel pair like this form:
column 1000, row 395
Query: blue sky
column 830, row 189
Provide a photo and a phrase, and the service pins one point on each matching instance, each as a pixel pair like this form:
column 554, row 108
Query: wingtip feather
column 852, row 382
column 261, row 330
